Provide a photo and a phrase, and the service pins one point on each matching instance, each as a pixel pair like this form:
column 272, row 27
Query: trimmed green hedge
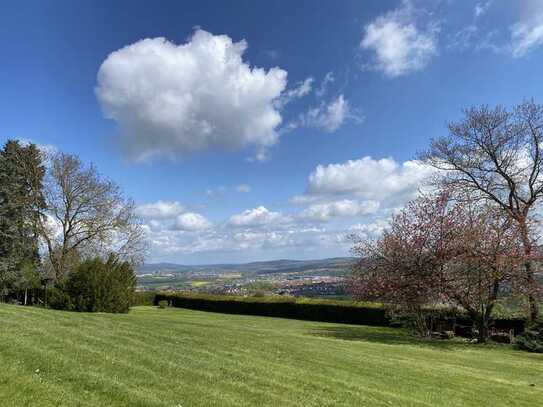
column 282, row 307
column 349, row 312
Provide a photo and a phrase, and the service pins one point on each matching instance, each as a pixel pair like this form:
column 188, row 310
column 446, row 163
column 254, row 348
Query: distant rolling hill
column 329, row 266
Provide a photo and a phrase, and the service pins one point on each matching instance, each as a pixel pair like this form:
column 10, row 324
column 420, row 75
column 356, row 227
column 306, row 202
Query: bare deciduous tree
column 497, row 155
column 86, row 215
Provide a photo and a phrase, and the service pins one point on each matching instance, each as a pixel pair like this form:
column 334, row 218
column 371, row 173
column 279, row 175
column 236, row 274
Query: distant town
column 308, row 278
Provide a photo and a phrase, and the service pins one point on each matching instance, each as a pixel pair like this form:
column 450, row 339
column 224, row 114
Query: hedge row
column 350, row 312
column 282, row 307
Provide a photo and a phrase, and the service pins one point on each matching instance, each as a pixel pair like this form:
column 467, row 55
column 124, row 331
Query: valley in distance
column 308, row 278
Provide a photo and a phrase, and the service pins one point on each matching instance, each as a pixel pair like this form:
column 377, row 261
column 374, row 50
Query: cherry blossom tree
column 442, row 249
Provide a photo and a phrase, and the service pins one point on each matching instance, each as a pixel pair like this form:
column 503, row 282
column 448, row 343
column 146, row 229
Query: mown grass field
column 175, row 357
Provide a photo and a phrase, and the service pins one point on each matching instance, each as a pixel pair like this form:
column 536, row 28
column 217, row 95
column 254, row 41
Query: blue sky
column 260, row 130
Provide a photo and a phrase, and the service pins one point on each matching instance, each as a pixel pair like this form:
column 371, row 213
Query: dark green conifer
column 21, row 205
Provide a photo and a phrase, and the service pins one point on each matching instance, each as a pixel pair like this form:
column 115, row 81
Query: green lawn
column 175, row 357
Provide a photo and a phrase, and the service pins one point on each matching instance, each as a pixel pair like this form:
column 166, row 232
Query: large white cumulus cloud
column 172, row 100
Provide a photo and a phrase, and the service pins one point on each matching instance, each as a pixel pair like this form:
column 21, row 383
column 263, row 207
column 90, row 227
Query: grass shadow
column 386, row 336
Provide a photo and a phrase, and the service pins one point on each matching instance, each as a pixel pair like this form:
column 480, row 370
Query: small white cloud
column 172, row 100
column 244, row 188
column 342, row 208
column 300, row 90
column 304, row 87
column 159, row 210
column 328, row 117
column 399, row 45
column 191, row 221
column 368, row 178
column 257, row 217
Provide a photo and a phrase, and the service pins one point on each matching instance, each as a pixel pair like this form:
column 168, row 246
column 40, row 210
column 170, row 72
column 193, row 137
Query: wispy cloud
column 328, row 116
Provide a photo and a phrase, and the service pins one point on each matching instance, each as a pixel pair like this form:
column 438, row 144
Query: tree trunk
column 482, row 326
column 480, row 322
column 530, row 279
column 484, row 321
column 26, row 295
